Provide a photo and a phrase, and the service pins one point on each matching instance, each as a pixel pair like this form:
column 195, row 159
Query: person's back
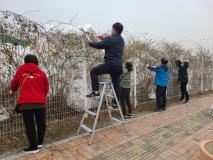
column 113, row 58
column 114, row 51
column 183, row 79
column 182, row 74
column 32, row 82
column 161, row 82
column 182, row 71
column 33, row 88
column 125, row 80
column 162, row 76
column 185, row 73
column 125, row 86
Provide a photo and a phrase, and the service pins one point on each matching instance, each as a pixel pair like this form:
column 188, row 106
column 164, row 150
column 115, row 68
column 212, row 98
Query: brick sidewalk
column 171, row 135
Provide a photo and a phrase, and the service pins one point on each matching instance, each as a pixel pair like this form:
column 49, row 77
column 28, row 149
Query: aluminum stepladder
column 105, row 86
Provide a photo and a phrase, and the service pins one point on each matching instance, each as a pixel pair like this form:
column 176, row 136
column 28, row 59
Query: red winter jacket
column 32, row 83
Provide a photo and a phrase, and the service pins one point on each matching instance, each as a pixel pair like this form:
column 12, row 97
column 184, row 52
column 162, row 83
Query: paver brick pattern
column 154, row 143
column 171, row 135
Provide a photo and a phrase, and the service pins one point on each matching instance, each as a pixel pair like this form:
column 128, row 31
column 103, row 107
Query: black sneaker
column 114, row 105
column 31, row 150
column 164, row 109
column 93, row 94
column 129, row 115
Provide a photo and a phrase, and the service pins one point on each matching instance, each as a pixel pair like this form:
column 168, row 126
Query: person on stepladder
column 183, row 79
column 161, row 82
column 125, row 86
column 113, row 46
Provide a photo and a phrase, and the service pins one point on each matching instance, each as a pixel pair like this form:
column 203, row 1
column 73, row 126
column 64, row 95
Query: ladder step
column 114, row 109
column 109, row 95
column 116, row 120
column 91, row 113
column 86, row 128
column 96, row 98
column 103, row 83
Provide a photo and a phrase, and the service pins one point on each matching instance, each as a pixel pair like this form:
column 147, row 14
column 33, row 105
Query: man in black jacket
column 113, row 58
column 183, row 79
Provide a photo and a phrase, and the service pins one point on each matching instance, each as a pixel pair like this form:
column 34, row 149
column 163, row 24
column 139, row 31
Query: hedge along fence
column 60, row 55
column 63, row 53
column 200, row 69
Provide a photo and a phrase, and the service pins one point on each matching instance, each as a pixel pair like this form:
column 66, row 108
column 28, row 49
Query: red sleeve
column 46, row 85
column 14, row 83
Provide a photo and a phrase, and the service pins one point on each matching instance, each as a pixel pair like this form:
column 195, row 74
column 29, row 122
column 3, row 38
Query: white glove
column 11, row 92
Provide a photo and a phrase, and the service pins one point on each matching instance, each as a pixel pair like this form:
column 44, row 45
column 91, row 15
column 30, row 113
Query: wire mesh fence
column 61, row 55
column 61, row 109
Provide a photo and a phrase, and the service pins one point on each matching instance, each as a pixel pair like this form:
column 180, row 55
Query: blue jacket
column 162, row 75
column 113, row 46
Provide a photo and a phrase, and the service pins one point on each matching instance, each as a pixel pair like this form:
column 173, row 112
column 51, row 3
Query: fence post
column 135, row 83
column 85, row 83
column 189, row 86
column 202, row 68
column 212, row 74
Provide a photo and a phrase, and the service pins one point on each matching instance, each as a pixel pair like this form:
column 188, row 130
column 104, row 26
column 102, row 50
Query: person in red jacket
column 33, row 87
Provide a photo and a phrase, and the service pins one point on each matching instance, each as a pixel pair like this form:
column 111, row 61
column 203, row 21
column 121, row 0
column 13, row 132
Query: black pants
column 125, row 100
column 184, row 92
column 29, row 117
column 115, row 72
column 161, row 97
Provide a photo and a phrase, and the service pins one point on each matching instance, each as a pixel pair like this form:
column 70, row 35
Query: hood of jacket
column 29, row 68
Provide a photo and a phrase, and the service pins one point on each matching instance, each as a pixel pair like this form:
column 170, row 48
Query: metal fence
column 60, row 109
column 200, row 79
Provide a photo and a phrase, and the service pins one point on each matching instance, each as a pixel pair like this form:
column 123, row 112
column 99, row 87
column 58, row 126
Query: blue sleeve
column 157, row 69
column 100, row 44
column 153, row 69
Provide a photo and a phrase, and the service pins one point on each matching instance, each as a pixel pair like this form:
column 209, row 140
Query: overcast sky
column 187, row 21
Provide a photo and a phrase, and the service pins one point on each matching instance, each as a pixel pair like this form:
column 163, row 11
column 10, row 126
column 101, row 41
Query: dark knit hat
column 164, row 61
column 178, row 62
column 118, row 27
column 186, row 64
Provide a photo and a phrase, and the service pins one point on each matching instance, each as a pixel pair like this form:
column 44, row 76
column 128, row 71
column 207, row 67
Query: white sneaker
column 40, row 146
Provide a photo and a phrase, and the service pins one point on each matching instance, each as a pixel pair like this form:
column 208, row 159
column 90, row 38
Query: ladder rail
column 119, row 107
column 108, row 107
column 107, row 86
column 82, row 122
column 98, row 113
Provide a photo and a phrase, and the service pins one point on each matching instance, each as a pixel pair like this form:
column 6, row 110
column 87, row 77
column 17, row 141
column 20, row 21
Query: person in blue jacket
column 161, row 83
column 113, row 59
